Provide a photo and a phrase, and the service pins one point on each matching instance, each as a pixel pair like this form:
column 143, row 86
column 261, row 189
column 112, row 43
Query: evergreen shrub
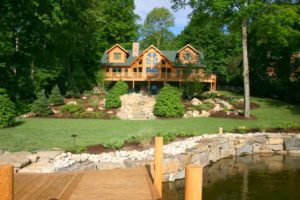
column 168, row 103
column 41, row 106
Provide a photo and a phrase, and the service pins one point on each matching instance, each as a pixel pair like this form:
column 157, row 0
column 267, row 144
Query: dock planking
column 116, row 184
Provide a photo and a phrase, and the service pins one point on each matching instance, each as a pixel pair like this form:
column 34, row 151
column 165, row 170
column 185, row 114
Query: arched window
column 187, row 56
column 151, row 58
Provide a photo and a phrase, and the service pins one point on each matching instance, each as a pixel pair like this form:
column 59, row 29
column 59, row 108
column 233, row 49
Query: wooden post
column 193, row 182
column 220, row 130
column 158, row 156
column 6, row 182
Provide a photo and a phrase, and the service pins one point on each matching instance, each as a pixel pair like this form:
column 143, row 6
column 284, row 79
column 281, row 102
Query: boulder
column 17, row 159
column 224, row 104
column 38, row 168
column 217, row 108
column 170, row 166
column 89, row 110
column 292, row 144
column 33, row 158
column 72, row 103
column 272, row 141
column 196, row 102
column 205, row 113
column 48, row 154
column 196, row 113
column 246, row 149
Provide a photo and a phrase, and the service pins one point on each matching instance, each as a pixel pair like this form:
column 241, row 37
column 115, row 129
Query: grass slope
column 33, row 134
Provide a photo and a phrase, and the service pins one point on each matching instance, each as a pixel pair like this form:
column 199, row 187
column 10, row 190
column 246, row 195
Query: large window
column 152, row 70
column 187, row 56
column 116, row 70
column 151, row 58
column 117, row 56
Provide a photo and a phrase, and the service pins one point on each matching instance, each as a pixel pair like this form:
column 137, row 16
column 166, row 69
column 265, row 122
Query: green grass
column 34, row 134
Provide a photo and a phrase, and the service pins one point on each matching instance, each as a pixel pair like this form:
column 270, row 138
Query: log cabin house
column 151, row 68
column 295, row 61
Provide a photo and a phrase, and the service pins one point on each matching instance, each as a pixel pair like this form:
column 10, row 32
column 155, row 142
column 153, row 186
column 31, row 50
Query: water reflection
column 253, row 177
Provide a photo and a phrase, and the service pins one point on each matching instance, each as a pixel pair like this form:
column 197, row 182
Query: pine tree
column 41, row 105
column 56, row 98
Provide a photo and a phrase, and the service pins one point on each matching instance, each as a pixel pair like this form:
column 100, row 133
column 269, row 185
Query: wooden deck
column 117, row 184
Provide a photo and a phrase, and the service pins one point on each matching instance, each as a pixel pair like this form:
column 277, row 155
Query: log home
column 151, row 68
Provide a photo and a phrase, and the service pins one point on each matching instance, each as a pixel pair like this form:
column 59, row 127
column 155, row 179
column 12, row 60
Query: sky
column 143, row 7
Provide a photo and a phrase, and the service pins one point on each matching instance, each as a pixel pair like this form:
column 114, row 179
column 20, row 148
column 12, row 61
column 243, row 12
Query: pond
column 254, row 177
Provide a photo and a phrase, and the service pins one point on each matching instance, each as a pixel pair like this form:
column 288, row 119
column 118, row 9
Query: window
column 134, row 69
column 107, row 69
column 169, row 70
column 126, row 70
column 187, row 56
column 163, row 69
column 152, row 70
column 141, row 62
column 140, row 69
column 163, row 62
column 117, row 56
column 151, row 58
column 116, row 70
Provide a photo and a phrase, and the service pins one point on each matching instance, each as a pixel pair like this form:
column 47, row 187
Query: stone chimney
column 135, row 49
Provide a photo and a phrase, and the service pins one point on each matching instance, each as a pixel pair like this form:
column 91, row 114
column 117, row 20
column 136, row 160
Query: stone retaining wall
column 201, row 150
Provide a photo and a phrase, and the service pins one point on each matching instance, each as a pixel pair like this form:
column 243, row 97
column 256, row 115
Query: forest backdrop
column 44, row 43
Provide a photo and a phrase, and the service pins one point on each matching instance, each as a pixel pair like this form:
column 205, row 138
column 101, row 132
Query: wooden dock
column 117, row 184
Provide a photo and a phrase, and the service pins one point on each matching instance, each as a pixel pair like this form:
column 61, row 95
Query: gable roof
column 171, row 55
column 117, row 45
column 186, row 46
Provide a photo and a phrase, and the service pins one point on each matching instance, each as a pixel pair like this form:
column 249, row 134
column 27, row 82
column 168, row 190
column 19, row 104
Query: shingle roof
column 169, row 54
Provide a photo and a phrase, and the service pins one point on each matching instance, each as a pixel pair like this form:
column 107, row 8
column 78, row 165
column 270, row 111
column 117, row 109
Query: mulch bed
column 240, row 106
column 99, row 148
column 222, row 114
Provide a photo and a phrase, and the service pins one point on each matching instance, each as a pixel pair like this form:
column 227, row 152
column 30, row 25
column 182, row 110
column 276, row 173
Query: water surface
column 246, row 178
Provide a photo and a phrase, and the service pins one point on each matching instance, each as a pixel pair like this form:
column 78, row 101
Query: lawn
column 34, row 134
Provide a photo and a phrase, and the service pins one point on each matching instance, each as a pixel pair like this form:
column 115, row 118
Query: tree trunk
column 246, row 70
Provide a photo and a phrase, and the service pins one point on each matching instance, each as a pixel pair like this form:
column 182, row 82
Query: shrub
column 210, row 95
column 7, row 110
column 205, row 106
column 167, row 136
column 72, row 109
column 192, row 89
column 112, row 100
column 56, row 98
column 114, row 143
column 168, row 103
column 121, row 88
column 41, row 105
column 72, row 93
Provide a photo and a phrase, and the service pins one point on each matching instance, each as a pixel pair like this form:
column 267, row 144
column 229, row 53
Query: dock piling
column 158, row 156
column 221, row 130
column 6, row 182
column 193, row 182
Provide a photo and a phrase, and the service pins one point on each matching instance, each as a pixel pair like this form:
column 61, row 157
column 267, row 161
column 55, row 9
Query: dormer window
column 117, row 56
column 187, row 56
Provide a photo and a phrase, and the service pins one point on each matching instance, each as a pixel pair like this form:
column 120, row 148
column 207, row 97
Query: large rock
column 247, row 149
column 211, row 101
column 272, row 141
column 18, row 159
column 170, row 166
column 196, row 102
column 217, row 108
column 292, row 144
column 38, row 167
column 136, row 107
column 224, row 104
column 72, row 103
column 48, row 154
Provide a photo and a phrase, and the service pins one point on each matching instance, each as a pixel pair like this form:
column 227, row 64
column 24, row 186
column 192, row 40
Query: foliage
column 156, row 28
column 193, row 89
column 55, row 97
column 210, row 95
column 121, row 88
column 7, row 110
column 114, row 143
column 168, row 103
column 168, row 136
column 205, row 106
column 46, row 42
column 71, row 108
column 41, row 106
column 112, row 99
